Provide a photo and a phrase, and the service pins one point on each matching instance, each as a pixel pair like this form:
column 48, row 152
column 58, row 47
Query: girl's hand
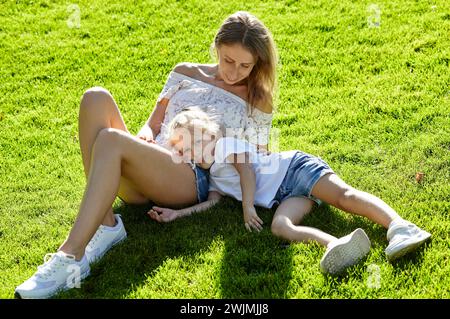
column 163, row 215
column 251, row 219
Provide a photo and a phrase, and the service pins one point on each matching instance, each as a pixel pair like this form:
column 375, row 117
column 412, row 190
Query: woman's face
column 235, row 63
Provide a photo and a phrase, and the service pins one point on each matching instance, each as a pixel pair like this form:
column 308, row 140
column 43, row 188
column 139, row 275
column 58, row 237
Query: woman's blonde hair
column 194, row 120
column 245, row 29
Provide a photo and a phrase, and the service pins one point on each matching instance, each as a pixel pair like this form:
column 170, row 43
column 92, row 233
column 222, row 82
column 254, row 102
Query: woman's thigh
column 150, row 170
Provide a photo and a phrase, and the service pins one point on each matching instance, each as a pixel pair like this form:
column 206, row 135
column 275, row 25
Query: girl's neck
column 208, row 159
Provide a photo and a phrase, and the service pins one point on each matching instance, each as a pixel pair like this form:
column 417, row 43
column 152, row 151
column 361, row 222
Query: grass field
column 372, row 99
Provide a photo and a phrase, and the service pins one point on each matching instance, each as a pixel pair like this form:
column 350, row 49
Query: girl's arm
column 248, row 187
column 164, row 215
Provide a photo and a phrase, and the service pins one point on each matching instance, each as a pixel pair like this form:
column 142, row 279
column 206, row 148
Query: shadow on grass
column 411, row 260
column 253, row 265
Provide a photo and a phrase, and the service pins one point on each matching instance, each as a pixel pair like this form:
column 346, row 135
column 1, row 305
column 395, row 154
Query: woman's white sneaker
column 104, row 239
column 59, row 272
column 404, row 237
column 345, row 252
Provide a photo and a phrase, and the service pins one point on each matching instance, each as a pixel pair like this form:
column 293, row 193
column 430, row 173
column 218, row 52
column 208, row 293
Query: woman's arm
column 152, row 127
column 248, row 187
column 164, row 215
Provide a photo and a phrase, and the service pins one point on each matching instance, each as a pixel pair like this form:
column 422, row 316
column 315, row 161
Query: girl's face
column 187, row 147
column 235, row 63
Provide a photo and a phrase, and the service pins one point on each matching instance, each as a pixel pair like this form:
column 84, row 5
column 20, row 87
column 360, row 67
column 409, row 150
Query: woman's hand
column 163, row 215
column 148, row 138
column 251, row 219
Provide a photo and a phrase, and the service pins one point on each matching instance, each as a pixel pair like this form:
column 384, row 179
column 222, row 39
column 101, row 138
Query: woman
column 238, row 90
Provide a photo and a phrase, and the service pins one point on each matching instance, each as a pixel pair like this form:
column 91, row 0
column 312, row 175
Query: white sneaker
column 59, row 272
column 345, row 252
column 403, row 238
column 104, row 239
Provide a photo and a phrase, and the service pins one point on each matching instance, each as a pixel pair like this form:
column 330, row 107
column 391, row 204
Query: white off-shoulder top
column 231, row 111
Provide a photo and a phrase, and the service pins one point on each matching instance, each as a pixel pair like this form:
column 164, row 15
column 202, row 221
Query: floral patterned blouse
column 229, row 110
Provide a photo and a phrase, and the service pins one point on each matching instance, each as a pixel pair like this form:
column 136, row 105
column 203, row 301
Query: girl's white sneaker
column 404, row 237
column 345, row 252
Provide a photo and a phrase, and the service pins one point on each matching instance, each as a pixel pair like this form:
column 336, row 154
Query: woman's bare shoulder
column 195, row 70
column 264, row 107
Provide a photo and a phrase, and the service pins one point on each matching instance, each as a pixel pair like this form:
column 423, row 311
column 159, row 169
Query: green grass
column 372, row 102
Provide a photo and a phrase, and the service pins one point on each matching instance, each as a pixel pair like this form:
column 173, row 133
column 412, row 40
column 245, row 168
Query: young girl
column 293, row 180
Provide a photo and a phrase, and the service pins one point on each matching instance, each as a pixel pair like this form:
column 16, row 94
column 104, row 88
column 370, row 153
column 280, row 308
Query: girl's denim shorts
column 202, row 183
column 303, row 173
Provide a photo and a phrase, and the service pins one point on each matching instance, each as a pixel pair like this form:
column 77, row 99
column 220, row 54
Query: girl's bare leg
column 115, row 154
column 334, row 191
column 289, row 215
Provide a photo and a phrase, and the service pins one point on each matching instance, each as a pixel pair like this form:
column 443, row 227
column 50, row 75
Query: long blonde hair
column 245, row 29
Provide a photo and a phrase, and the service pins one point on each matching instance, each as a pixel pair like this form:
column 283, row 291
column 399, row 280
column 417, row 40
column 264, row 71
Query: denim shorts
column 303, row 173
column 202, row 183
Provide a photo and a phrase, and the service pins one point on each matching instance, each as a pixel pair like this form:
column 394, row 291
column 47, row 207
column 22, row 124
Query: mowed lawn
column 364, row 87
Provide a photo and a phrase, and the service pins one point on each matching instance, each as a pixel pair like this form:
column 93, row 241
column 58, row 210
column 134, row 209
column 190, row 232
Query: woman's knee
column 95, row 97
column 109, row 138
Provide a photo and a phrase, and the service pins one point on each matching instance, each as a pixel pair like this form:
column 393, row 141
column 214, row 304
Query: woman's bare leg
column 289, row 215
column 98, row 110
column 115, row 154
column 334, row 191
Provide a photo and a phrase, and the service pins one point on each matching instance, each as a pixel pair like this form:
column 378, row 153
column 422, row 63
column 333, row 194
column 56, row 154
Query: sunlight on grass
column 368, row 94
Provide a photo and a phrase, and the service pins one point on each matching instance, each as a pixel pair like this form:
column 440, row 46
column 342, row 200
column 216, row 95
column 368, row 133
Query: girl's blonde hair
column 194, row 119
column 245, row 29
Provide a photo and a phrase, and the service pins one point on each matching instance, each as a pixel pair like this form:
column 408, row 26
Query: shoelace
column 404, row 230
column 95, row 238
column 49, row 267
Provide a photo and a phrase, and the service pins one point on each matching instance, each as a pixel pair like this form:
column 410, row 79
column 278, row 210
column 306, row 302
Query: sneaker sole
column 346, row 254
column 61, row 288
column 408, row 246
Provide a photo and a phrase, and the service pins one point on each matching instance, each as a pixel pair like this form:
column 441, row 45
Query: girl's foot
column 345, row 252
column 404, row 237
